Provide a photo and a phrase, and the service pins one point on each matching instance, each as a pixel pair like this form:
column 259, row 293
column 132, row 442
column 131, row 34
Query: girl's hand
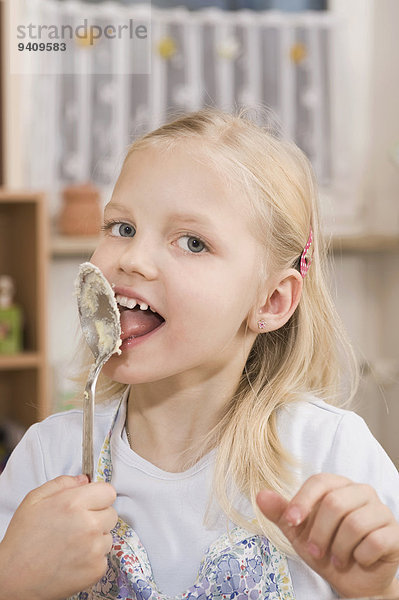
column 342, row 530
column 58, row 539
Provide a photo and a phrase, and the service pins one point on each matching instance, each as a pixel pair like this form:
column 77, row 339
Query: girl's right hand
column 58, row 539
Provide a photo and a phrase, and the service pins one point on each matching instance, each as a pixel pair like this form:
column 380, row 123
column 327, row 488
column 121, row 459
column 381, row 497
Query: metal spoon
column 100, row 321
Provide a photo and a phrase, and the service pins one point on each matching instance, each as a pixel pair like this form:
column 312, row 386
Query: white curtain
column 81, row 120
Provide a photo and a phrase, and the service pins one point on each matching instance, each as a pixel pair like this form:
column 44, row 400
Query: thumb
column 54, row 486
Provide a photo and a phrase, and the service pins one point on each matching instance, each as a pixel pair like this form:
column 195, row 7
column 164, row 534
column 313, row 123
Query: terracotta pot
column 81, row 212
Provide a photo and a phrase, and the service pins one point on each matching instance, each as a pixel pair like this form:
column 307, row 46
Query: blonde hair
column 303, row 356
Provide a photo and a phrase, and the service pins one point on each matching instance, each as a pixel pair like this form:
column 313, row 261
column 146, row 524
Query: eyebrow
column 191, row 218
column 179, row 217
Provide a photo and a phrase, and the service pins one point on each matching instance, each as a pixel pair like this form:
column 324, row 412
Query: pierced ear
column 280, row 303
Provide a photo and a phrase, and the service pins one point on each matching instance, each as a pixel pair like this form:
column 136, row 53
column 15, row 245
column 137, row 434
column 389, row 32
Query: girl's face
column 176, row 236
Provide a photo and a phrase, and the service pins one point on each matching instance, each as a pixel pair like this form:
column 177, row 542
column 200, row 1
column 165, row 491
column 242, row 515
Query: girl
column 230, row 470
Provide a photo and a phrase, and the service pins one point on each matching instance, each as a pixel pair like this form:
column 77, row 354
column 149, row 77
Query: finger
column 109, row 518
column 332, row 509
column 356, row 526
column 54, row 486
column 97, row 496
column 310, row 494
column 380, row 544
column 272, row 505
column 108, row 540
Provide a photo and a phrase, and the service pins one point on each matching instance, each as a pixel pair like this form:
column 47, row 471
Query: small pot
column 81, row 212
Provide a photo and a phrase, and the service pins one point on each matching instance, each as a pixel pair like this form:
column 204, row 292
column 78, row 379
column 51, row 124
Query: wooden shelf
column 69, row 246
column 83, row 247
column 24, row 360
column 24, row 256
column 365, row 243
column 19, row 195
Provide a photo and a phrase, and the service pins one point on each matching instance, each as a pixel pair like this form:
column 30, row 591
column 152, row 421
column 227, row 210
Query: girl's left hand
column 342, row 530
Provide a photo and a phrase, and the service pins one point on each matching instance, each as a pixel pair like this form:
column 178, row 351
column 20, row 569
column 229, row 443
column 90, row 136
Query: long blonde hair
column 309, row 353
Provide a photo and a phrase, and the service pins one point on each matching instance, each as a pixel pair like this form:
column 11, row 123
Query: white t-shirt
column 166, row 509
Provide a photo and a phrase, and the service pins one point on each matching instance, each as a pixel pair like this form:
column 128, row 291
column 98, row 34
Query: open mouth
column 137, row 319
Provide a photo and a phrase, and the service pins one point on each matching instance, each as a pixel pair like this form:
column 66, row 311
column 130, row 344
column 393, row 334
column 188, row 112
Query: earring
column 262, row 324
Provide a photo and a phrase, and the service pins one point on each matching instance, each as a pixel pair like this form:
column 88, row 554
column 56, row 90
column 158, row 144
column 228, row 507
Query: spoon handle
column 88, row 421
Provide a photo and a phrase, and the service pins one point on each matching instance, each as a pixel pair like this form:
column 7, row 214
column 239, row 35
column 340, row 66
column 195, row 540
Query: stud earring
column 262, row 324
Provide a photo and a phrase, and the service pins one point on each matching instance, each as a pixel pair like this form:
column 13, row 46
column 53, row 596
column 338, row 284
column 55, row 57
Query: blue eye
column 122, row 230
column 195, row 244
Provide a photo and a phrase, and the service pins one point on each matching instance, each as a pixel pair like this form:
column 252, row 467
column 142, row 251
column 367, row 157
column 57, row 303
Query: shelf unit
column 24, row 256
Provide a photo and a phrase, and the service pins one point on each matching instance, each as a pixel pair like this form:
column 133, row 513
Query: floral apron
column 237, row 565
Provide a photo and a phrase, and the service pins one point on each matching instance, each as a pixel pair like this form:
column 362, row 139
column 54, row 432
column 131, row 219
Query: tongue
column 138, row 322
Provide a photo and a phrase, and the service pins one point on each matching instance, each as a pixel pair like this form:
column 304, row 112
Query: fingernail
column 293, row 516
column 82, row 478
column 314, row 550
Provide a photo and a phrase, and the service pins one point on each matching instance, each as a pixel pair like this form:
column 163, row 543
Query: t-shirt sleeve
column 24, row 472
column 356, row 454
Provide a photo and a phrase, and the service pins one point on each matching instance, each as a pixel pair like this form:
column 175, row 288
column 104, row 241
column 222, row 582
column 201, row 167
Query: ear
column 282, row 299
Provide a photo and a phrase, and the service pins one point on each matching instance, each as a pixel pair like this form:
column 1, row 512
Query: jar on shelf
column 81, row 211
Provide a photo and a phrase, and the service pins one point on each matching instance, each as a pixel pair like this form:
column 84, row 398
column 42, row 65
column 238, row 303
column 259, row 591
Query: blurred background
column 327, row 73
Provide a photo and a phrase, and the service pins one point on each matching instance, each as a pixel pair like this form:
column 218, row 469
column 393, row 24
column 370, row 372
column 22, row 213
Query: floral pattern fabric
column 238, row 565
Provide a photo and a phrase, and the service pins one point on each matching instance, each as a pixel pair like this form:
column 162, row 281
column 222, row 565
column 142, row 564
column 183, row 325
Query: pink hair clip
column 307, row 255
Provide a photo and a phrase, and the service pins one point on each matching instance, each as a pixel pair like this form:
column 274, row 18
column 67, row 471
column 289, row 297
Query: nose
column 138, row 257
